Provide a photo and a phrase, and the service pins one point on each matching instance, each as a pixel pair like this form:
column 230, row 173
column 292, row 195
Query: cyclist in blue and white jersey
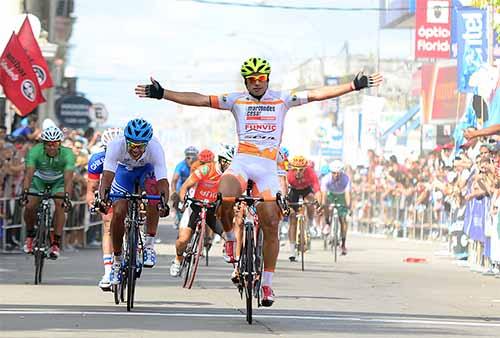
column 135, row 157
column 95, row 168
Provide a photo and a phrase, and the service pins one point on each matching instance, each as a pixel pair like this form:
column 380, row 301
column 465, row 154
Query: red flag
column 30, row 45
column 18, row 79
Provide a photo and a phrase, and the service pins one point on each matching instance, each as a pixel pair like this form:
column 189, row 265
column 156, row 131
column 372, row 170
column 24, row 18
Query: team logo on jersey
column 28, row 90
column 264, row 127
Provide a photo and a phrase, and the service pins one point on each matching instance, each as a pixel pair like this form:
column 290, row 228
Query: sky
column 193, row 46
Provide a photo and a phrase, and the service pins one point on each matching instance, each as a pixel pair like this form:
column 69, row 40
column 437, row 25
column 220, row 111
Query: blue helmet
column 138, row 130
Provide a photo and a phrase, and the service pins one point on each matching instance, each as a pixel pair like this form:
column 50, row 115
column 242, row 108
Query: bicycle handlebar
column 45, row 195
column 128, row 196
column 202, row 203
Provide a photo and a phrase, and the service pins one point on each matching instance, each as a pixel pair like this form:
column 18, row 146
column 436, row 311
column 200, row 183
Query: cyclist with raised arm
column 259, row 113
column 48, row 165
column 95, row 168
column 134, row 157
column 181, row 173
column 205, row 179
column 304, row 183
column 336, row 189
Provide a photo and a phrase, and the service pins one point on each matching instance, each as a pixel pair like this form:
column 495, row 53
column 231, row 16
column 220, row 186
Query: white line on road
column 270, row 316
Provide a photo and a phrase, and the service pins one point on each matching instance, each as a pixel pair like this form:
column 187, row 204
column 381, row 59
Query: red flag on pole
column 18, row 79
column 30, row 45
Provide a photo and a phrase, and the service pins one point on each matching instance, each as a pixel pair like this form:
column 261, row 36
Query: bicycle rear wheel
column 207, row 245
column 132, row 250
column 249, row 248
column 196, row 256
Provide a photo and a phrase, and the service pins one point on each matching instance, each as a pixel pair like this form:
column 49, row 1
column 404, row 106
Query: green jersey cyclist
column 48, row 165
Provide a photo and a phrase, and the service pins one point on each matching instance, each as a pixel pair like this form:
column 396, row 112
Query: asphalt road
column 371, row 292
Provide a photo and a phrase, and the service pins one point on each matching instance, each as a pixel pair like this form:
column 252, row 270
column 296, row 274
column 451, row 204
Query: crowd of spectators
column 450, row 193
column 13, row 148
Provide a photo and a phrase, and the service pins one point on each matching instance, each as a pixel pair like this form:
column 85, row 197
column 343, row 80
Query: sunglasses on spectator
column 136, row 145
column 52, row 143
column 190, row 158
column 255, row 78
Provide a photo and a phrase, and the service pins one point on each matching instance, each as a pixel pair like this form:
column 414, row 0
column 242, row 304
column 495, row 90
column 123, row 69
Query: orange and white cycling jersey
column 259, row 123
column 207, row 177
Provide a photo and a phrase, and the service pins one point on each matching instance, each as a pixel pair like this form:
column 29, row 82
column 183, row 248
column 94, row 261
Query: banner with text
column 472, row 40
column 433, row 29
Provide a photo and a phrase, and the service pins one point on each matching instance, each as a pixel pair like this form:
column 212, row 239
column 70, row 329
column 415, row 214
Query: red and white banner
column 18, row 79
column 30, row 45
column 433, row 29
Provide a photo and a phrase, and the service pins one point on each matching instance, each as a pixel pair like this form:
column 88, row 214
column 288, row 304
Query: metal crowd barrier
column 399, row 216
column 12, row 222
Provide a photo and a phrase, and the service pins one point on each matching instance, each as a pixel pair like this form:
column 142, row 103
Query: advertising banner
column 433, row 29
column 472, row 41
column 440, row 102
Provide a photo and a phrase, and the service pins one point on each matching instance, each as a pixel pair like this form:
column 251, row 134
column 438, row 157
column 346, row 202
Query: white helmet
column 226, row 151
column 110, row 134
column 51, row 134
column 336, row 166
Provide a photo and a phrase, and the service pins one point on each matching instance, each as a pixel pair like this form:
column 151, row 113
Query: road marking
column 270, row 316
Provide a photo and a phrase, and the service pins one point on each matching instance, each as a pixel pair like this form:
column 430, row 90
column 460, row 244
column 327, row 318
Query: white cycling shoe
column 105, row 282
column 175, row 269
column 149, row 257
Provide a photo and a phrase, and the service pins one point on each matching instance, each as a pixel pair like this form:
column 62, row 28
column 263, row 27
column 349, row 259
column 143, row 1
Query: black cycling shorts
column 294, row 195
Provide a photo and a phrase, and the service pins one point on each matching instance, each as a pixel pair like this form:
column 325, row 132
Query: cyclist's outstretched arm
column 155, row 90
column 361, row 81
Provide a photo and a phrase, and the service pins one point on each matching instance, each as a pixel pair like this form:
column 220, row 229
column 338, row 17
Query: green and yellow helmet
column 255, row 65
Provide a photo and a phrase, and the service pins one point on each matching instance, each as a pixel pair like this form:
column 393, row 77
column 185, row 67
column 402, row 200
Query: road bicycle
column 251, row 263
column 198, row 242
column 42, row 242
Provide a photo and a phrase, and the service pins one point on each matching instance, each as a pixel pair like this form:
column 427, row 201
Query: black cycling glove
column 154, row 90
column 362, row 81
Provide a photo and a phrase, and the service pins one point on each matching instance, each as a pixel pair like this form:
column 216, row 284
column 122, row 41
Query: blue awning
column 403, row 121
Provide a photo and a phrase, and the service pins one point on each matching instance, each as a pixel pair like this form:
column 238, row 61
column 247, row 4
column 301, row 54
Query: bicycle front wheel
column 190, row 260
column 196, row 256
column 335, row 238
column 302, row 239
column 42, row 242
column 132, row 251
column 249, row 249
